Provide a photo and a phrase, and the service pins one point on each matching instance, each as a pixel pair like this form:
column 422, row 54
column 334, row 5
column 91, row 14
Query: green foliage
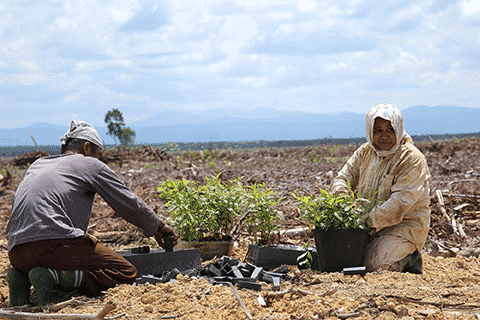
column 314, row 157
column 331, row 159
column 192, row 154
column 7, row 169
column 172, row 147
column 332, row 149
column 262, row 214
column 204, row 211
column 177, row 164
column 207, row 154
column 116, row 127
column 334, row 211
column 148, row 165
column 175, row 148
column 213, row 209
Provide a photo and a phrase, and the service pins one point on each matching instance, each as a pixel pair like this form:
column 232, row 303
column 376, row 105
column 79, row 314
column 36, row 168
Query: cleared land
column 448, row 289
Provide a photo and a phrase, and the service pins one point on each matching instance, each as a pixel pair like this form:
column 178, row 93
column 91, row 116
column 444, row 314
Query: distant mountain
column 229, row 115
column 259, row 124
column 423, row 120
column 43, row 133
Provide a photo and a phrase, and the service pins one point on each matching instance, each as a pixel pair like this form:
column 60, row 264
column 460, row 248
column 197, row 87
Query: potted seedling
column 262, row 215
column 263, row 219
column 341, row 232
column 204, row 216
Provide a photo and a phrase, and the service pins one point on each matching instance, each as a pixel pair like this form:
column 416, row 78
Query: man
column 47, row 241
column 391, row 172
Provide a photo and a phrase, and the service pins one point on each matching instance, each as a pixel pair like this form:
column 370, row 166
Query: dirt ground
column 448, row 289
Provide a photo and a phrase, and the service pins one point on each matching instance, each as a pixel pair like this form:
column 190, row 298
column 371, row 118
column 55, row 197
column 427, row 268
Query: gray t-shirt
column 55, row 198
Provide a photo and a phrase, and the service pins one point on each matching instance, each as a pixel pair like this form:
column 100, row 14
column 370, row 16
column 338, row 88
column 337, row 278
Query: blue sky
column 78, row 59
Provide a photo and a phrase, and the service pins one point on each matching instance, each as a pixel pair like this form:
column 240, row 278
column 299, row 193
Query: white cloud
column 278, row 16
column 306, row 5
column 470, row 7
column 210, row 52
column 405, row 63
column 18, row 44
column 64, row 23
column 237, row 32
column 263, row 4
column 25, row 79
column 122, row 14
column 352, row 6
column 299, row 29
column 406, row 14
column 89, row 66
column 70, row 99
column 255, row 82
column 331, row 67
column 432, row 77
column 29, row 65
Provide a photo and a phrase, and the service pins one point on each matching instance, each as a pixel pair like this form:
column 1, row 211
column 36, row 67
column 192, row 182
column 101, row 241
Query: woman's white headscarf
column 391, row 113
column 81, row 130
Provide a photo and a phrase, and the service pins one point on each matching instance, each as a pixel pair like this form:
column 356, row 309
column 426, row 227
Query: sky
column 63, row 60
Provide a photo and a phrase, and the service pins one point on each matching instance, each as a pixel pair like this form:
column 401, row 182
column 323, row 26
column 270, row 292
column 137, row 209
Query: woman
column 392, row 173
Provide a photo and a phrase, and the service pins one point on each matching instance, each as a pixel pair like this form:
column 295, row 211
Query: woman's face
column 384, row 137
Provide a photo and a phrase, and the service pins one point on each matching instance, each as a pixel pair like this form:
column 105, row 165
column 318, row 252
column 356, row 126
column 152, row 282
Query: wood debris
column 15, row 315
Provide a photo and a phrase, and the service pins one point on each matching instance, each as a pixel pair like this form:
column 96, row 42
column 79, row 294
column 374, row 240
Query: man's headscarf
column 81, row 130
column 391, row 113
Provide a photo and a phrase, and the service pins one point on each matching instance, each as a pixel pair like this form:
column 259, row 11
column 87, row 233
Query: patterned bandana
column 81, row 130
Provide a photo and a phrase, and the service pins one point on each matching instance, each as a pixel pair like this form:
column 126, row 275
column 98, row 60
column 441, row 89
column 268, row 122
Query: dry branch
column 239, row 224
column 291, row 290
column 259, row 297
column 442, row 204
column 461, row 231
column 13, row 315
column 349, row 315
column 454, row 223
column 328, row 293
column 460, row 305
column 460, row 207
column 235, row 293
column 458, row 229
column 74, row 302
column 462, row 195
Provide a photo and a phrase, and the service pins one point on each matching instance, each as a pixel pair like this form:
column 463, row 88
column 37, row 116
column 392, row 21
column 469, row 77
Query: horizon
column 266, row 125
column 236, row 145
column 66, row 60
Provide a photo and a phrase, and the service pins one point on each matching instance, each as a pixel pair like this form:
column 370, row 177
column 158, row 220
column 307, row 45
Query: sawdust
column 448, row 289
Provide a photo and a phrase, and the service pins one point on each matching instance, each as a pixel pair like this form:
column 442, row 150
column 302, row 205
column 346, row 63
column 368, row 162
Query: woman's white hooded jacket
column 396, row 181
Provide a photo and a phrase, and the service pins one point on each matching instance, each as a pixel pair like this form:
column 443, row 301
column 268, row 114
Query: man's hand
column 165, row 231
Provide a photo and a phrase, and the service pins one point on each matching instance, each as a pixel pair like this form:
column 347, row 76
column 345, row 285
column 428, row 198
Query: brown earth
column 448, row 289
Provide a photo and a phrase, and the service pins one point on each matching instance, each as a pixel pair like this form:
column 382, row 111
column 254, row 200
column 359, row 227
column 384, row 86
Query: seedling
column 334, row 211
column 203, row 212
column 262, row 214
